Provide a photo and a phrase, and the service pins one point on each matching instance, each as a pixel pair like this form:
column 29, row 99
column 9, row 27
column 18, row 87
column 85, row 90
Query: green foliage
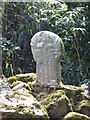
column 70, row 21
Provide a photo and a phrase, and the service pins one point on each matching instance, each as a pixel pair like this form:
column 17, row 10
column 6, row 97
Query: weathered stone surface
column 47, row 49
column 86, row 93
column 57, row 104
column 20, row 86
column 38, row 88
column 20, row 104
column 17, row 101
column 83, row 107
column 86, row 87
column 76, row 116
column 74, row 93
column 72, row 89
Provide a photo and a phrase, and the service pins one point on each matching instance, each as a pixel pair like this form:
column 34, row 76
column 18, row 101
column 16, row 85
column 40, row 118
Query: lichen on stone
column 28, row 77
column 76, row 116
column 57, row 104
column 12, row 79
column 74, row 93
column 27, row 87
column 84, row 103
column 15, row 83
column 54, row 96
column 16, row 105
column 83, row 107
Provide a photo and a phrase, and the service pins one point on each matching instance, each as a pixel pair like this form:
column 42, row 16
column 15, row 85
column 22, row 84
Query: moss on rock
column 84, row 103
column 27, row 87
column 57, row 104
column 20, row 86
column 74, row 93
column 12, row 79
column 76, row 116
column 28, row 77
column 83, row 107
column 41, row 88
column 15, row 104
column 15, row 80
column 15, row 83
column 72, row 89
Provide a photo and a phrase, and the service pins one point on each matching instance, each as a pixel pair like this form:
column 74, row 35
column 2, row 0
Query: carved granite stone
column 47, row 49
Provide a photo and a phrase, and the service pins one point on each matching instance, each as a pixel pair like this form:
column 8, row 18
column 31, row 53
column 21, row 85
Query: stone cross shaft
column 47, row 49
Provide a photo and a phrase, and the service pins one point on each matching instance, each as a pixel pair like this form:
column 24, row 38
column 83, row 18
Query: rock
column 15, row 105
column 4, row 86
column 19, row 86
column 38, row 88
column 74, row 93
column 86, row 87
column 12, row 79
column 85, row 93
column 76, row 116
column 15, row 83
column 28, row 77
column 22, row 85
column 48, row 69
column 71, row 90
column 18, row 103
column 57, row 104
column 83, row 107
column 19, row 95
column 85, row 97
column 1, row 81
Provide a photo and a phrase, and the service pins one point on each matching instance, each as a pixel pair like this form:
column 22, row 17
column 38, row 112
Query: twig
column 11, row 69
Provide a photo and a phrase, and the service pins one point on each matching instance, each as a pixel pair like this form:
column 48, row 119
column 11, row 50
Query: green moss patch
column 83, row 107
column 28, row 77
column 15, row 83
column 57, row 104
column 55, row 97
column 84, row 103
column 76, row 116
column 12, row 79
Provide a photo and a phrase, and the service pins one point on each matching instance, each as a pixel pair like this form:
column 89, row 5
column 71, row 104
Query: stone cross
column 47, row 49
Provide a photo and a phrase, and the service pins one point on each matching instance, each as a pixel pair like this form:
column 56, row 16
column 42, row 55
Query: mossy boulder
column 19, row 95
column 76, row 116
column 74, row 93
column 20, row 85
column 12, row 79
column 19, row 105
column 83, row 107
column 57, row 104
column 41, row 89
column 28, row 77
column 38, row 88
